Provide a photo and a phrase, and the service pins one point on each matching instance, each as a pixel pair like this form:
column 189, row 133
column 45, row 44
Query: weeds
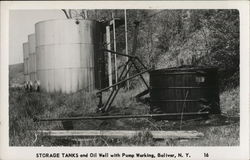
column 230, row 101
column 25, row 105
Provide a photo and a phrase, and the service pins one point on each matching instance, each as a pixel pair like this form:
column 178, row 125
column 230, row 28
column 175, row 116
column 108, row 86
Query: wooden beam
column 126, row 42
column 121, row 133
column 114, row 44
column 108, row 42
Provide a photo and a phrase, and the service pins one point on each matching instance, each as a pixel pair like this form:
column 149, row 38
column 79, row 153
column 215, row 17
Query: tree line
column 169, row 38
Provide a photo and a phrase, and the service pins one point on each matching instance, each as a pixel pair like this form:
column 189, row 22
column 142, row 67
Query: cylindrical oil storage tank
column 184, row 89
column 68, row 52
column 25, row 61
column 32, row 57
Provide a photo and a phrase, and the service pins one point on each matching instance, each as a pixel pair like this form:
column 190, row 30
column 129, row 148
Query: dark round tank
column 184, row 89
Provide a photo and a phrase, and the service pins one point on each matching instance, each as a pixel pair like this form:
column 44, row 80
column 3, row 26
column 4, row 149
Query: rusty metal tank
column 25, row 60
column 32, row 57
column 68, row 54
column 184, row 89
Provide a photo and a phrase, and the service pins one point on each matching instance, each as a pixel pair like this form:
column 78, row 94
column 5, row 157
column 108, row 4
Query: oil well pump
column 178, row 92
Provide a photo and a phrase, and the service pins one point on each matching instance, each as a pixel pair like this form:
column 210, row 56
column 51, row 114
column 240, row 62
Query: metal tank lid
column 49, row 20
column 185, row 68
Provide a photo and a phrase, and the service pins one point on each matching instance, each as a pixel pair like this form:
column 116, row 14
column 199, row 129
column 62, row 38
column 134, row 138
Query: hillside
column 16, row 75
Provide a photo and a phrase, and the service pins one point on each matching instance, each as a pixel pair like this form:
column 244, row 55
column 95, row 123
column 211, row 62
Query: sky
column 21, row 24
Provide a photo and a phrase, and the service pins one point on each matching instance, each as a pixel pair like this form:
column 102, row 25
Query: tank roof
column 186, row 68
column 49, row 20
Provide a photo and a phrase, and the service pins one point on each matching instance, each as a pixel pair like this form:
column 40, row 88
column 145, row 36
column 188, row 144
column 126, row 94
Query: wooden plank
column 121, row 133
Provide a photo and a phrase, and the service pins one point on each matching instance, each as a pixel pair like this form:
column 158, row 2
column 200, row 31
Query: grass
column 230, row 101
column 227, row 135
column 25, row 105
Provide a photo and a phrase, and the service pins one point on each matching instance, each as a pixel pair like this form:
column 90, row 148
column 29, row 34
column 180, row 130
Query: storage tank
column 32, row 57
column 69, row 55
column 25, row 60
column 184, row 89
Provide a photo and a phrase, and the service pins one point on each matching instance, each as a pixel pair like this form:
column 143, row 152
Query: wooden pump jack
column 132, row 61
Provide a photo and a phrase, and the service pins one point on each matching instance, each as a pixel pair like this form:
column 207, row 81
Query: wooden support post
column 114, row 38
column 126, row 42
column 121, row 133
column 108, row 42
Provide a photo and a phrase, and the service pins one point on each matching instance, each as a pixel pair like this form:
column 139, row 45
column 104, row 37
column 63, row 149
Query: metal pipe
column 106, row 104
column 66, row 14
column 112, row 92
column 138, row 70
column 106, row 108
column 120, row 116
column 112, row 99
column 141, row 62
column 102, row 90
column 113, row 52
